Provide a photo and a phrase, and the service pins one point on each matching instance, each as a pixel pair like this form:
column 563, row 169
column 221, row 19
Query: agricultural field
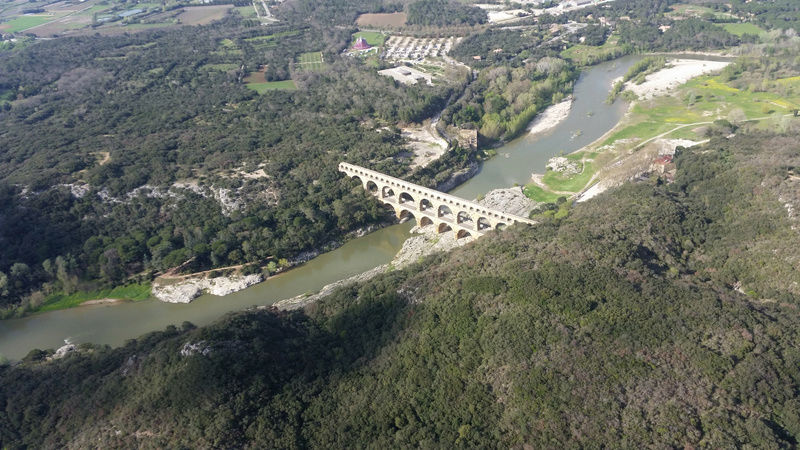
column 391, row 20
column 25, row 22
column 72, row 19
column 310, row 62
column 203, row 15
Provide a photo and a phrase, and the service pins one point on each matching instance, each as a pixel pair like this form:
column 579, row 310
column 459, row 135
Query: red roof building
column 361, row 44
column 663, row 160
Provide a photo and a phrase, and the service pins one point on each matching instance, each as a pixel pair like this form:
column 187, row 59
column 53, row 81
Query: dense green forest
column 655, row 315
column 504, row 100
column 160, row 127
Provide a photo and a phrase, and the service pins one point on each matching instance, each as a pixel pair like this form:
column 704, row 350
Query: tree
column 111, row 266
column 3, row 284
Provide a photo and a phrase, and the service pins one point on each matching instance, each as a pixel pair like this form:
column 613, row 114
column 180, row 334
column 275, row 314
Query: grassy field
column 373, row 38
column 557, row 182
column 61, row 301
column 246, row 11
column 694, row 106
column 22, row 23
column 220, row 67
column 286, row 85
column 740, row 29
column 586, row 54
column 684, row 10
column 703, row 99
column 311, row 62
column 536, row 193
column 271, row 37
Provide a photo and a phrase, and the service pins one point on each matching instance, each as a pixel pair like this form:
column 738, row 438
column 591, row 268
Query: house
column 662, row 164
column 467, row 139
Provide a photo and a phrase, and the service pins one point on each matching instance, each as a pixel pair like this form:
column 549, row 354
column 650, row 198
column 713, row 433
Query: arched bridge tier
column 431, row 207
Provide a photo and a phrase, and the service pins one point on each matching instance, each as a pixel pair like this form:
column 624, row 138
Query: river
column 589, row 118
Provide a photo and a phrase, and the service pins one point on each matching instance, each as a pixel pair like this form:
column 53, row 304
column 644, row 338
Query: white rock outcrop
column 563, row 165
column 187, row 290
column 509, row 200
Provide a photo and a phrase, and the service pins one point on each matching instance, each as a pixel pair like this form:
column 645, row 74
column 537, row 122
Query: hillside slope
column 654, row 315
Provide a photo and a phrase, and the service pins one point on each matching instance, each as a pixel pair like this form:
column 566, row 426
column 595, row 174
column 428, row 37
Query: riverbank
column 677, row 72
column 550, row 117
column 676, row 106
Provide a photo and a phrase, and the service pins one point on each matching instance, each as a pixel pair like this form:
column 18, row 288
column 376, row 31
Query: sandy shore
column 550, row 117
column 679, row 71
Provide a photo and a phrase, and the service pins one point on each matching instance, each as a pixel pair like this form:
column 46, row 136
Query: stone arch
column 371, row 187
column 405, row 197
column 500, row 226
column 483, row 224
column 462, row 234
column 444, row 210
column 425, row 204
column 405, row 214
column 387, row 192
column 357, row 178
column 425, row 221
column 463, row 217
column 443, row 227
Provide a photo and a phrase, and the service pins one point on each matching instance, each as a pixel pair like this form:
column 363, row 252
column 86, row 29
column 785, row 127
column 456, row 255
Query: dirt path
column 170, row 274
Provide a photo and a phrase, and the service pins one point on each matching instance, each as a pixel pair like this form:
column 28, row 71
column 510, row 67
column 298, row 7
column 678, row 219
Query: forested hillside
column 125, row 155
column 654, row 315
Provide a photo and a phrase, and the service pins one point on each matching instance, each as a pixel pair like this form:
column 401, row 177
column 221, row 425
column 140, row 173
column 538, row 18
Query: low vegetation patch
column 535, row 192
column 587, row 55
column 132, row 292
column 740, row 29
column 285, row 85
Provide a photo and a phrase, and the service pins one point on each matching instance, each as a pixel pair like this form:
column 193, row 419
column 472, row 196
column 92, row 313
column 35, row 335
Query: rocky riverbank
column 187, row 290
column 459, row 177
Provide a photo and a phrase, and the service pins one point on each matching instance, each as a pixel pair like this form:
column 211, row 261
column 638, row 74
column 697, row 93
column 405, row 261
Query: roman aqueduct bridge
column 431, row 207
